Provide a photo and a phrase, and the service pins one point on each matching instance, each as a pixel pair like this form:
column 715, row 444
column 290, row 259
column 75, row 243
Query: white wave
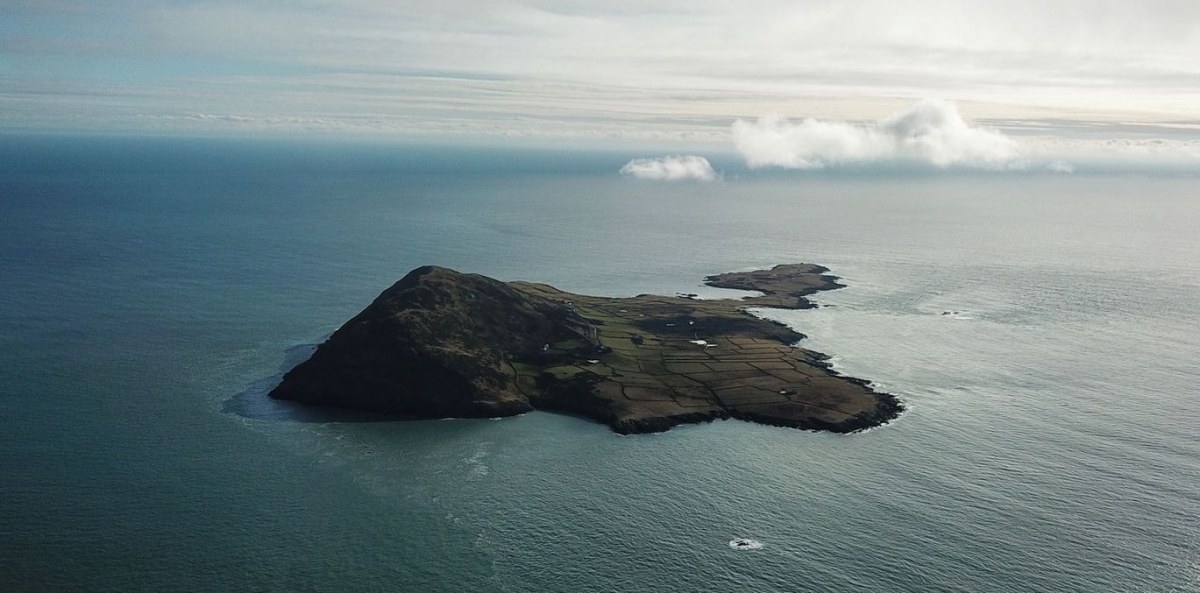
column 476, row 468
column 745, row 543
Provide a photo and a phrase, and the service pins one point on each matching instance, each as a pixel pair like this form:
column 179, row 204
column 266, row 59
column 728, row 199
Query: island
column 444, row 344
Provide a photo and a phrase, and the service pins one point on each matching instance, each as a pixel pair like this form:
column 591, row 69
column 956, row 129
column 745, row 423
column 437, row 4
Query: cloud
column 585, row 69
column 670, row 168
column 930, row 132
column 1060, row 167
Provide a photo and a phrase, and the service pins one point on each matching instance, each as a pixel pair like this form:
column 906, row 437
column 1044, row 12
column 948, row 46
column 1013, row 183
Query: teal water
column 153, row 289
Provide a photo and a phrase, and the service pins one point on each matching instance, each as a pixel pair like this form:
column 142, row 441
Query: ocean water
column 1044, row 330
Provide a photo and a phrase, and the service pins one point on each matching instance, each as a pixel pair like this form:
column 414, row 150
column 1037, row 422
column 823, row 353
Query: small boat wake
column 743, row 543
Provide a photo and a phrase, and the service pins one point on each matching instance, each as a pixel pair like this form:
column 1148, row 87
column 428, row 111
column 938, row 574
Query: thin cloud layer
column 670, row 168
column 586, row 70
column 930, row 132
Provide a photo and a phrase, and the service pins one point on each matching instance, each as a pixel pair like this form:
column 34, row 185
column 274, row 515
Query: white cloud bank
column 670, row 168
column 930, row 132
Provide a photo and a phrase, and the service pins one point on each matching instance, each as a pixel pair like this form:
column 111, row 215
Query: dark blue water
column 153, row 288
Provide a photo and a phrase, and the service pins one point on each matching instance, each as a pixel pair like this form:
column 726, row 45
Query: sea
column 1043, row 329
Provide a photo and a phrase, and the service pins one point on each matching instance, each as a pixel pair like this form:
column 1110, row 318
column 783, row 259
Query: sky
column 666, row 72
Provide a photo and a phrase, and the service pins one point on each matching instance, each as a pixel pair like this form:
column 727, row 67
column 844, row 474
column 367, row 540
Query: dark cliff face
column 437, row 343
